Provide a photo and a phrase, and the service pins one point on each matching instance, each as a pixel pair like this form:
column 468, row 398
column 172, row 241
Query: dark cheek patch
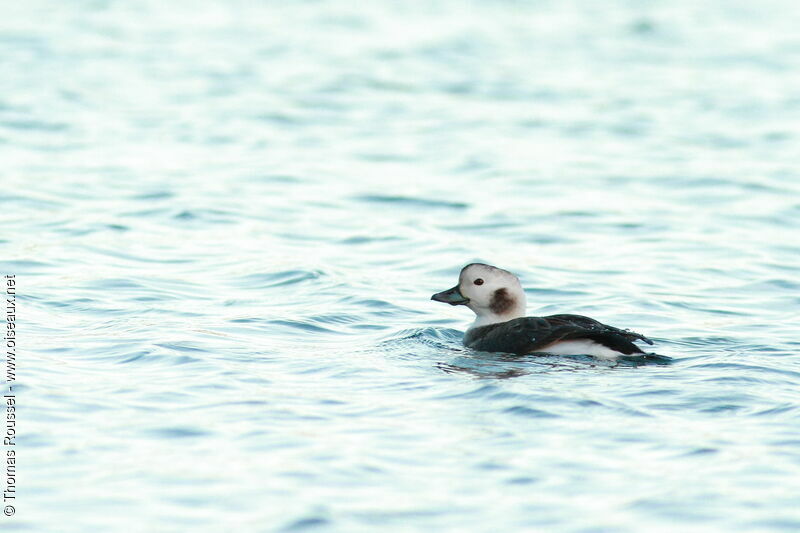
column 501, row 302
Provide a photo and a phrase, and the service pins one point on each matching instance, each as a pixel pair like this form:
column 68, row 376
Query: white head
column 494, row 294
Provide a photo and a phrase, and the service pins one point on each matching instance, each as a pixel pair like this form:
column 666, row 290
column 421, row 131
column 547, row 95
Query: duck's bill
column 451, row 296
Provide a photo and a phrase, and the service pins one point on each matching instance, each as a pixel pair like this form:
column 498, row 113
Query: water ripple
column 226, row 220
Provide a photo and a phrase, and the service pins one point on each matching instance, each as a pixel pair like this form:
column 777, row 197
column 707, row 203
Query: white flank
column 583, row 347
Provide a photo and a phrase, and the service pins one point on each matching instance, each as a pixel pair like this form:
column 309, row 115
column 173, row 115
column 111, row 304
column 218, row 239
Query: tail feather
column 635, row 336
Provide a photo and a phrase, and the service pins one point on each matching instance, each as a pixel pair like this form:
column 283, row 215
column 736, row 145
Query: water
column 226, row 220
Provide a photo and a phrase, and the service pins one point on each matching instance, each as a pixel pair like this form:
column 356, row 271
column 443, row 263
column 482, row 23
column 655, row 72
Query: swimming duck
column 496, row 297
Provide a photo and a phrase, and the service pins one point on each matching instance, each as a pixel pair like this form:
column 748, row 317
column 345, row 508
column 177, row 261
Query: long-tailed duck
column 496, row 296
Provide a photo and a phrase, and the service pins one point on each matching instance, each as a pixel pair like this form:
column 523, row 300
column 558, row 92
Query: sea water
column 225, row 221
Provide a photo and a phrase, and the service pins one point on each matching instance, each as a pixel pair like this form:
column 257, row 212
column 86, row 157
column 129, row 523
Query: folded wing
column 529, row 334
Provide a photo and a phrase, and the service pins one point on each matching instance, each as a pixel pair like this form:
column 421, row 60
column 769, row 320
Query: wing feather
column 528, row 334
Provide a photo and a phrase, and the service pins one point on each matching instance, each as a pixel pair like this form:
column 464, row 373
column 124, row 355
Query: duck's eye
column 478, row 281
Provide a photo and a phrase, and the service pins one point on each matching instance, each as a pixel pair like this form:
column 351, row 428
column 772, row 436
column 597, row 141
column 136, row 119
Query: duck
column 498, row 300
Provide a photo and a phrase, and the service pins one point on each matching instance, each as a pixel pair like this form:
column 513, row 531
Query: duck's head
column 494, row 294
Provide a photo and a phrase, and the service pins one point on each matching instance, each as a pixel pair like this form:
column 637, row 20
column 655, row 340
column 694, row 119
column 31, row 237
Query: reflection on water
column 226, row 219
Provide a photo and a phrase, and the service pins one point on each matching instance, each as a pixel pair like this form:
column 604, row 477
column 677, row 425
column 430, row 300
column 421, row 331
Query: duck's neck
column 489, row 318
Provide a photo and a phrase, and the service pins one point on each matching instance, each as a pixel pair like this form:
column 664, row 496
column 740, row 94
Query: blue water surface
column 226, row 220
